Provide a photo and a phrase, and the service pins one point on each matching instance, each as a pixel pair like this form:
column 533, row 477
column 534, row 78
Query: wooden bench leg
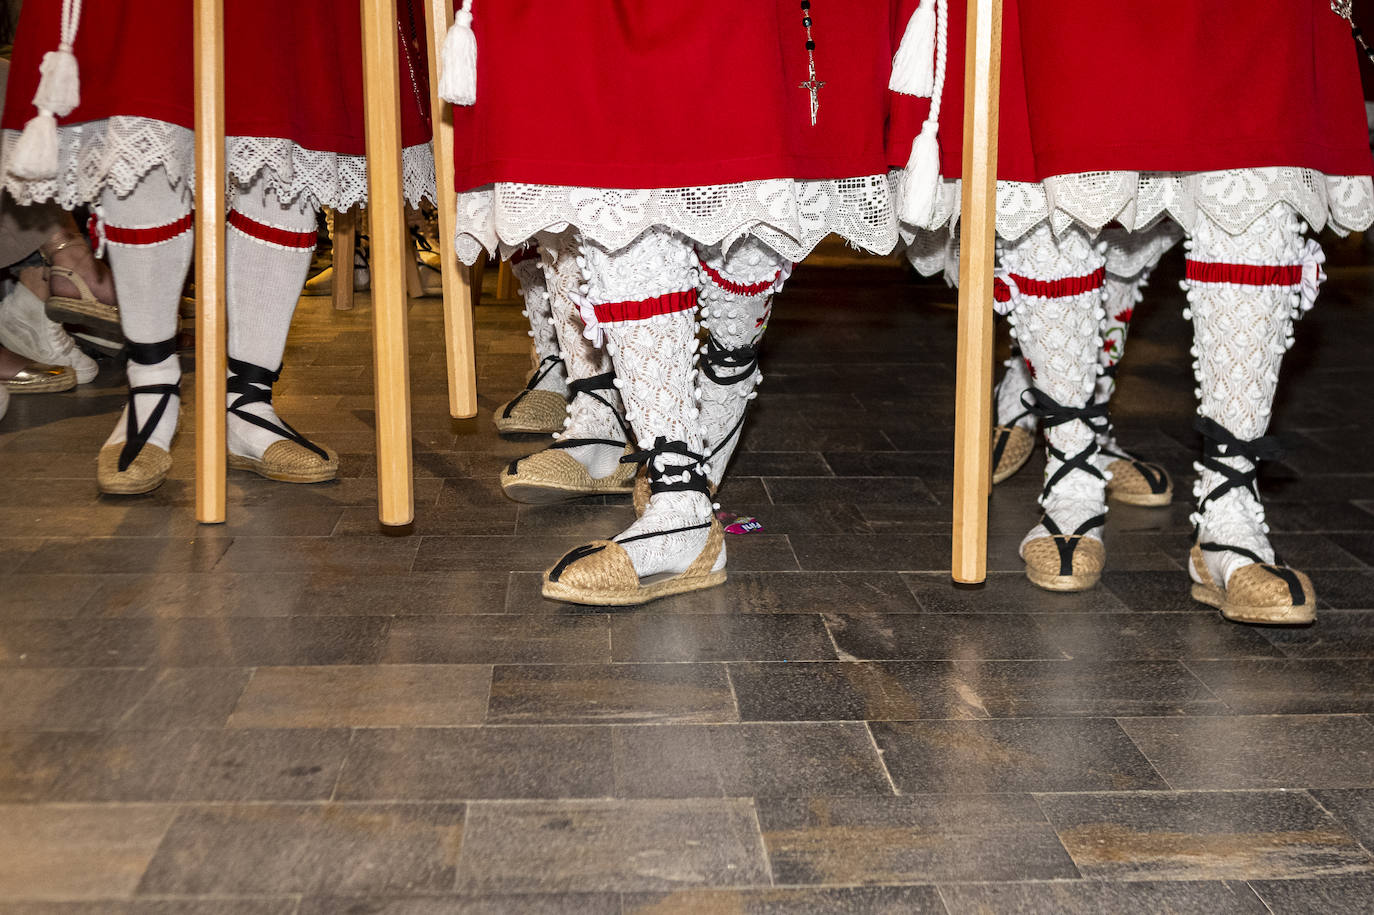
column 505, row 282
column 345, row 247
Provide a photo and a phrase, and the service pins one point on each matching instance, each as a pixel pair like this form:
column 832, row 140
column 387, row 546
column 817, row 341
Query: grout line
column 882, row 759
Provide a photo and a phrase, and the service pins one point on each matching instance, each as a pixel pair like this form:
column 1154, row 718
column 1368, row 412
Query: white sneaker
column 26, row 330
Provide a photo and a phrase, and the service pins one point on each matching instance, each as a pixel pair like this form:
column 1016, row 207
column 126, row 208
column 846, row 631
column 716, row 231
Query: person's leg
column 1243, row 294
column 584, row 459
column 542, row 406
column 150, row 240
column 1057, row 313
column 643, row 298
column 268, row 247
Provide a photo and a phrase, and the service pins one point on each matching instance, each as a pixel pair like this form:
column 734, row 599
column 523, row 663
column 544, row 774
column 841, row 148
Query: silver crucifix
column 814, row 86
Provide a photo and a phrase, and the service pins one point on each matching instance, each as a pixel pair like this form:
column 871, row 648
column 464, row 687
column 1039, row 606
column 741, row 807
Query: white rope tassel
column 59, row 92
column 921, row 179
column 913, row 67
column 458, row 65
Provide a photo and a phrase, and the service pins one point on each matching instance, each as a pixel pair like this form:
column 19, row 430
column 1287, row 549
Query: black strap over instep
column 1052, row 413
column 546, row 365
column 676, row 477
column 1067, row 543
column 1283, row 573
column 136, row 434
column 253, row 384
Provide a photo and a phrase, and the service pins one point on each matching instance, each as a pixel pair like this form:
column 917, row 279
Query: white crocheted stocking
column 736, row 295
column 643, row 298
column 268, row 249
column 1244, row 292
column 150, row 241
column 589, row 417
column 1016, row 380
column 1056, row 318
column 528, row 269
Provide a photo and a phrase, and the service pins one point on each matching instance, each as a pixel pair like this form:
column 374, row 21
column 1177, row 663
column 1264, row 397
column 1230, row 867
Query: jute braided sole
column 1254, row 595
column 604, row 576
column 40, row 378
column 554, row 475
column 1130, row 487
column 289, row 462
column 146, row 472
column 1044, row 569
column 536, row 413
column 1020, row 442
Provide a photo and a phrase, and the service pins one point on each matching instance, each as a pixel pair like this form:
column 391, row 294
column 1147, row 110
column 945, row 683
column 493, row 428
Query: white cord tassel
column 458, row 65
column 921, row 179
column 913, row 67
column 59, row 92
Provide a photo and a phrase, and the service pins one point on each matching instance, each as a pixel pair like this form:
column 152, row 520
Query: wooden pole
column 458, row 280
column 386, row 208
column 978, row 237
column 210, row 273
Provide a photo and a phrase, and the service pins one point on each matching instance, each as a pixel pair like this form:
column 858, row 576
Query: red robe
column 1164, row 85
column 657, row 94
column 293, row 68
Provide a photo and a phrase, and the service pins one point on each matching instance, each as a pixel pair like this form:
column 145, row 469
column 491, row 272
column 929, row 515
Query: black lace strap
column 592, row 387
column 1218, row 442
column 253, row 384
column 1154, row 477
column 1282, row 572
column 546, row 365
column 151, row 353
column 136, row 434
column 1067, row 543
column 719, row 360
column 695, row 480
column 1052, row 413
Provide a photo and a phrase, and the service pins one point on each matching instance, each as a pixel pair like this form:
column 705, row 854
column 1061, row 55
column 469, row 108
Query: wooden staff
column 386, row 206
column 458, row 280
column 210, row 274
column 978, row 237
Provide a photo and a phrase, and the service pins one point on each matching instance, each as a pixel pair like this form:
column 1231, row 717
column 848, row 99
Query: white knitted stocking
column 529, row 271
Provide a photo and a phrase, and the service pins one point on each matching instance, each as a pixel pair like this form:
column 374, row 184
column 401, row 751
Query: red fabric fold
column 670, row 303
column 270, row 234
column 1057, row 289
column 1244, row 274
column 739, row 288
column 118, row 235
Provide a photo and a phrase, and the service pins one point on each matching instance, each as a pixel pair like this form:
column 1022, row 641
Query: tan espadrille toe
column 1011, row 448
column 1139, row 483
column 553, row 475
column 1257, row 593
column 289, row 462
column 1064, row 562
column 601, row 574
column 532, row 412
column 146, row 472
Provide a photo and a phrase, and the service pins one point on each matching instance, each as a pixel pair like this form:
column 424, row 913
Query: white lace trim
column 789, row 216
column 1233, row 199
column 117, row 152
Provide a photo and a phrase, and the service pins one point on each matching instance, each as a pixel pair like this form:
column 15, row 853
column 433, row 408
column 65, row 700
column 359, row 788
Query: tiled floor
column 295, row 713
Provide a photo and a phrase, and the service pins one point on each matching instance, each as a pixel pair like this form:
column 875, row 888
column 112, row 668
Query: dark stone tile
column 718, row 637
column 851, row 691
column 491, row 521
column 76, row 643
column 1353, row 809
column 817, row 518
column 521, row 904
column 493, row 554
column 748, row 760
column 1333, row 896
column 507, row 639
column 264, row 849
column 1346, row 589
column 760, row 553
column 1153, row 636
column 871, row 552
column 1319, row 517
column 902, row 490
column 1202, row 836
column 1095, row 896
column 285, row 906
column 975, row 757
column 1017, row 689
column 626, row 845
column 611, row 693
column 69, row 700
column 1358, row 545
column 857, row 900
column 1319, row 551
column 936, row 636
column 32, row 761
column 573, row 520
column 1004, row 592
column 870, row 840
column 394, row 695
column 274, row 641
column 342, row 555
column 118, row 554
column 1258, row 752
column 1153, row 591
column 780, row 464
column 1278, row 687
column 78, row 851
column 486, row 762
column 44, row 596
column 188, row 698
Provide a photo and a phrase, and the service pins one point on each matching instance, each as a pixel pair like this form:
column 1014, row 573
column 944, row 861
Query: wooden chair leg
column 505, row 282
column 386, row 210
column 345, row 247
column 211, row 484
column 978, row 232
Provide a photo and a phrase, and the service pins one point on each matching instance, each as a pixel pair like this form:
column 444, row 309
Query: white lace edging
column 1233, row 199
column 789, row 216
column 117, row 152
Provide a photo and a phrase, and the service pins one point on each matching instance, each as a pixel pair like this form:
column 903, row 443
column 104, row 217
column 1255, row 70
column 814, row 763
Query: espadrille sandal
column 1011, row 449
column 534, row 411
column 294, row 459
column 136, row 466
column 85, row 310
column 553, row 475
column 1136, row 482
